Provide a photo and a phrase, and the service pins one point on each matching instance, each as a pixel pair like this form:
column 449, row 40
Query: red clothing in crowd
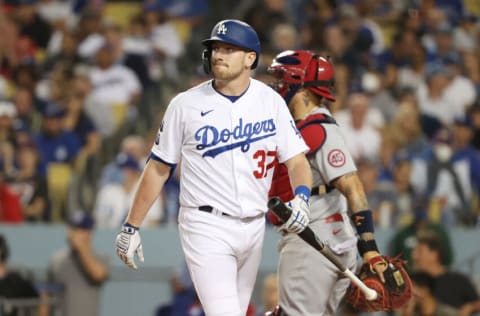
column 10, row 206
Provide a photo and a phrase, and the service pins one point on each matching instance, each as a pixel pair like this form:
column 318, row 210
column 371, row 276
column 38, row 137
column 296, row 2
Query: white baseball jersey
column 227, row 149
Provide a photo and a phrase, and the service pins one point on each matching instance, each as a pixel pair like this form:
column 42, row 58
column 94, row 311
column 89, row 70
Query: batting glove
column 127, row 244
column 299, row 219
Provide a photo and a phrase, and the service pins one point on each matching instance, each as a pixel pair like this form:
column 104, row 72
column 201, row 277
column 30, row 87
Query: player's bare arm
column 128, row 241
column 351, row 187
column 152, row 180
column 299, row 171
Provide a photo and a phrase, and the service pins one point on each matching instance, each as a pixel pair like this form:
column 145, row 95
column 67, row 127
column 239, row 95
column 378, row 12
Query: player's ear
column 250, row 58
column 206, row 56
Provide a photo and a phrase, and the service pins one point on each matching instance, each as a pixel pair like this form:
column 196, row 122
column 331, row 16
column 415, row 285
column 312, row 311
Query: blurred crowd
column 83, row 91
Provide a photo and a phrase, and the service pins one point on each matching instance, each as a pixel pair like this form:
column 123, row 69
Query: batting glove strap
column 128, row 228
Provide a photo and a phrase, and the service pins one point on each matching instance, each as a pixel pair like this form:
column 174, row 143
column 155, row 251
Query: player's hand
column 299, row 219
column 127, row 244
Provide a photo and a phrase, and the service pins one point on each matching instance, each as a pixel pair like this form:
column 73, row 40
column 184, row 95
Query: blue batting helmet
column 232, row 32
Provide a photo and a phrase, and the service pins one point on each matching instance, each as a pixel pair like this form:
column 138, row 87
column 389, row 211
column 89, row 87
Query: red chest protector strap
column 313, row 131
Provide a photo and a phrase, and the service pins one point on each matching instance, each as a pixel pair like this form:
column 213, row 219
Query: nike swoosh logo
column 203, row 113
column 336, row 231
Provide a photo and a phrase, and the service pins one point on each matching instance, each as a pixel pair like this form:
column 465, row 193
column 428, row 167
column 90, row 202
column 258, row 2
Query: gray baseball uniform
column 310, row 285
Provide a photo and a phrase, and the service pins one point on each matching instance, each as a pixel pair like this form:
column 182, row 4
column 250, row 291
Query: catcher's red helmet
column 295, row 69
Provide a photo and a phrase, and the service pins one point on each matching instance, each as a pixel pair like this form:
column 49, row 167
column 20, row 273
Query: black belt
column 209, row 209
column 322, row 189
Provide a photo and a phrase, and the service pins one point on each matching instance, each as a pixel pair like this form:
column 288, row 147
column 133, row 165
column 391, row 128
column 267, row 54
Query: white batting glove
column 299, row 219
column 127, row 244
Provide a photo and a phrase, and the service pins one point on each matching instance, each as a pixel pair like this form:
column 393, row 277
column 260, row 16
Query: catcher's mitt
column 394, row 293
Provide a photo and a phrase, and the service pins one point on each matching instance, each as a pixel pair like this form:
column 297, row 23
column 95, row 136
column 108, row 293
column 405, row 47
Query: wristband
column 129, row 228
column 303, row 191
column 366, row 245
column 363, row 221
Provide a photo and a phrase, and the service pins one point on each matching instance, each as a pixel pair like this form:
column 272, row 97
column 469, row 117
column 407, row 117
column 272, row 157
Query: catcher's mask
column 295, row 69
column 233, row 32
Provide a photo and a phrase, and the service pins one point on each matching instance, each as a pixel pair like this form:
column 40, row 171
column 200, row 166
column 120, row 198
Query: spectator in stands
column 31, row 24
column 407, row 122
column 58, row 151
column 138, row 49
column 13, row 285
column 184, row 300
column 471, row 69
column 423, row 301
column 55, row 144
column 8, row 58
column 464, row 34
column 10, row 205
column 78, row 122
column 54, row 87
column 461, row 91
column 79, row 270
column 442, row 45
column 452, row 288
column 263, row 16
column 29, row 185
column 447, row 176
column 165, row 40
column 89, row 34
column 28, row 114
column 475, row 120
column 405, row 196
column 394, row 60
column 62, row 49
column 27, row 76
column 336, row 46
column 360, row 125
column 113, row 35
column 132, row 145
column 283, row 36
column 381, row 99
column 8, row 143
column 58, row 14
column 111, row 213
column 431, row 97
column 115, row 94
column 405, row 239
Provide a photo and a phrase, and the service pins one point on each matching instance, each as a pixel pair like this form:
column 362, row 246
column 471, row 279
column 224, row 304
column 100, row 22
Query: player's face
column 230, row 62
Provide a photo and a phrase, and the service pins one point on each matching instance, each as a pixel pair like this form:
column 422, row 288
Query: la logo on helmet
column 222, row 29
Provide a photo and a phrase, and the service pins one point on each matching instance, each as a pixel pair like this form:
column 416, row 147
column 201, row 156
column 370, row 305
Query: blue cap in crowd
column 124, row 160
column 463, row 120
column 53, row 110
column 156, row 5
column 82, row 220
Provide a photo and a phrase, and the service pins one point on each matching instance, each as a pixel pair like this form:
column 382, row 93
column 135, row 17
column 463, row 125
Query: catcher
column 309, row 284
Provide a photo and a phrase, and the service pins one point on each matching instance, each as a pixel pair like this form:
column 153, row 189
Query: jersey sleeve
column 334, row 158
column 289, row 139
column 169, row 139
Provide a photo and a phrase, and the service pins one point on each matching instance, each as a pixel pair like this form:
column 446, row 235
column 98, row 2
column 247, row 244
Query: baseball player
column 309, row 284
column 226, row 134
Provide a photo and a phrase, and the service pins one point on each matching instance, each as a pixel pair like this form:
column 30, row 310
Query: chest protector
column 314, row 135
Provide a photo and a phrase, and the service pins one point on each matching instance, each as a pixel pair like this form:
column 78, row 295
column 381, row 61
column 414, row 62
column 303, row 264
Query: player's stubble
column 227, row 72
